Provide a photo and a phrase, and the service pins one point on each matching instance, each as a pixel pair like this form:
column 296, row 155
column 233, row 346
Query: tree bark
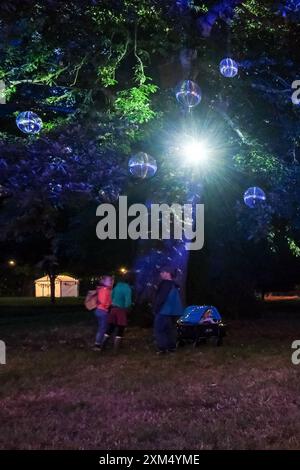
column 154, row 254
column 52, row 287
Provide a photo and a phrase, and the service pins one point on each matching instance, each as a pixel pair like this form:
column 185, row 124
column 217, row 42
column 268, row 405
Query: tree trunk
column 149, row 262
column 154, row 254
column 52, row 288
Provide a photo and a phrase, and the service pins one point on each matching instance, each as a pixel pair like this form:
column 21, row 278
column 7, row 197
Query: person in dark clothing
column 167, row 308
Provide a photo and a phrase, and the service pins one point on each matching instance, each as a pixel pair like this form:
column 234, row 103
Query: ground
column 56, row 393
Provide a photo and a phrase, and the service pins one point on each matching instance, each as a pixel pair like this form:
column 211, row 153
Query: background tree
column 102, row 76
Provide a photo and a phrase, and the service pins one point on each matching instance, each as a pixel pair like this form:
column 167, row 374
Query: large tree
column 101, row 74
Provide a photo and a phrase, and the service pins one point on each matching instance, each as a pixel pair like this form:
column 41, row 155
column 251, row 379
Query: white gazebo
column 65, row 286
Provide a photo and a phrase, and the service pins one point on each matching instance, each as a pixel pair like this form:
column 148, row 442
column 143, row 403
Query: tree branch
column 141, row 66
column 223, row 9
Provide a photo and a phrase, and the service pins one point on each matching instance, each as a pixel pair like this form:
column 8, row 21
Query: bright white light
column 196, row 152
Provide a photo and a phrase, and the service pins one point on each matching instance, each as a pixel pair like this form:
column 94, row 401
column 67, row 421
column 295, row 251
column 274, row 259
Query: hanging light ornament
column 188, row 94
column 142, row 165
column 229, row 68
column 254, row 196
column 29, row 122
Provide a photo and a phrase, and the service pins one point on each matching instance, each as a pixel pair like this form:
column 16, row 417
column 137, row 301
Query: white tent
column 65, row 286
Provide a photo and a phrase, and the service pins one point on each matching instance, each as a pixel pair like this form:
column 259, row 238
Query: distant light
column 196, row 152
column 123, row 270
column 12, row 262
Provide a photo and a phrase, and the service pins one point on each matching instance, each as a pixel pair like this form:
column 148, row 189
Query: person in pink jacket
column 103, row 304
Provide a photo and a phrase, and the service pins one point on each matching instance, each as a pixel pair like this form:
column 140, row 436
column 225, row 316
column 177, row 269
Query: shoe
column 104, row 342
column 173, row 350
column 97, row 347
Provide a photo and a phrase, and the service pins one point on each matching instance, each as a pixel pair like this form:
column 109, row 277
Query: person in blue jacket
column 167, row 308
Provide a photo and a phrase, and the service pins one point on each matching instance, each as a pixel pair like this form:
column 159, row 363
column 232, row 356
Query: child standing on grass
column 103, row 304
column 117, row 317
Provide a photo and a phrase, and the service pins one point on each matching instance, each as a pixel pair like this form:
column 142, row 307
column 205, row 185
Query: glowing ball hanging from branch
column 142, row 165
column 29, row 122
column 228, row 68
column 254, row 196
column 188, row 94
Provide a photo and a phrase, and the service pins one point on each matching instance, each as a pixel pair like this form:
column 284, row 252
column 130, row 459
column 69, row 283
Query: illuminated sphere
column 188, row 94
column 29, row 122
column 228, row 68
column 142, row 165
column 254, row 196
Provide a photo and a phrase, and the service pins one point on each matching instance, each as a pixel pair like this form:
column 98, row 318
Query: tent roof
column 59, row 277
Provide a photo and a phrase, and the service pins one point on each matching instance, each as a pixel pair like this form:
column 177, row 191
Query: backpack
column 90, row 301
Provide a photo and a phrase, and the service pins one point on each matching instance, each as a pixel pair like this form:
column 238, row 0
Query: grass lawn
column 56, row 393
